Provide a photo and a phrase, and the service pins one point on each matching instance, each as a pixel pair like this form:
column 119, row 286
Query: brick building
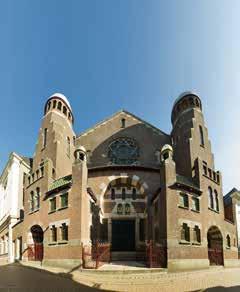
column 125, row 181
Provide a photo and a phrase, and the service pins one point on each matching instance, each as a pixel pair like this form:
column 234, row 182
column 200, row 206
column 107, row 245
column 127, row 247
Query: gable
column 97, row 139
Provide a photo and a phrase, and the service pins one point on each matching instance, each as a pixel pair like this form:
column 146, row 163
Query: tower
column 55, row 145
column 190, row 135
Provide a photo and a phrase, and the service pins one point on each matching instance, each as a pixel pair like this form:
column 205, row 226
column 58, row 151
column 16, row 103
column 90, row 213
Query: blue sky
column 105, row 55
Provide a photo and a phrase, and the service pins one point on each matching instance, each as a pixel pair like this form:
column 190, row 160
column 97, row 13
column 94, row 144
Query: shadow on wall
column 147, row 141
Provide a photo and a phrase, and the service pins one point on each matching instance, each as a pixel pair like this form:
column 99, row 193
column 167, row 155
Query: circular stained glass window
column 123, row 151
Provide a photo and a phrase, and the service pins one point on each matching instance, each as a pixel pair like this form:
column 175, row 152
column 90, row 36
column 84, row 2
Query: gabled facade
column 11, row 202
column 126, row 182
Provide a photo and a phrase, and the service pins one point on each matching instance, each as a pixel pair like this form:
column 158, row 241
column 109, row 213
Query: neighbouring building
column 128, row 183
column 11, row 204
column 232, row 209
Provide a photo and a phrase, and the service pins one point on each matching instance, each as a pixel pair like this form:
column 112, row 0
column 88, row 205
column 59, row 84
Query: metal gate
column 35, row 252
column 96, row 255
column 215, row 256
column 156, row 256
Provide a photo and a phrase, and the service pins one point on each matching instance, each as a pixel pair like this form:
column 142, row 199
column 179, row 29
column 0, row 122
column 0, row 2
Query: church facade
column 127, row 183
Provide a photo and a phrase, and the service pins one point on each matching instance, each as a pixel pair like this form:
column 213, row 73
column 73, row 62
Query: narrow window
column 197, row 234
column 59, row 105
column 195, row 204
column 201, row 136
column 205, row 169
column 53, row 204
column 68, row 146
column 53, row 173
column 54, row 103
column 37, row 173
column 42, row 171
column 119, row 209
column 185, row 232
column 123, row 194
column 45, row 138
column 127, row 209
column 53, row 233
column 183, row 200
column 228, row 241
column 49, row 105
column 64, row 230
column 134, row 194
column 37, row 198
column 65, row 110
column 64, row 200
column 31, row 201
column 123, row 123
column 210, row 198
column 216, row 200
column 113, row 194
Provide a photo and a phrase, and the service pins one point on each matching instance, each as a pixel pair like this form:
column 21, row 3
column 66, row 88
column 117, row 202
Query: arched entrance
column 215, row 246
column 124, row 217
column 37, row 247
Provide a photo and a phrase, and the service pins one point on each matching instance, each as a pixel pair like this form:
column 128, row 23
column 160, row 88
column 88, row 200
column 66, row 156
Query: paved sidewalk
column 154, row 280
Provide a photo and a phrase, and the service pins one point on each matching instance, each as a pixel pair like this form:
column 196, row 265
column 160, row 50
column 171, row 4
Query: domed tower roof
column 185, row 100
column 63, row 99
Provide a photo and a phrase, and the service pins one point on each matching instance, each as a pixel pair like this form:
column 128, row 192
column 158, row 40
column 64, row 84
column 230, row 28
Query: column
column 110, row 230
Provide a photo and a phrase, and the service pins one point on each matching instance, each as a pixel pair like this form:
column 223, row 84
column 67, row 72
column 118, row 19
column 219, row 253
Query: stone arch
column 215, row 245
column 35, row 245
column 133, row 180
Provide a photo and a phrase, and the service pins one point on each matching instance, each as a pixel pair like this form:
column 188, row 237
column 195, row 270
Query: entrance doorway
column 37, row 249
column 123, row 235
column 215, row 246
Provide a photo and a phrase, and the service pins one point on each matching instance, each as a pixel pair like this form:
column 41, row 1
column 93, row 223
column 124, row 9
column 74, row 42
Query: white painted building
column 11, row 203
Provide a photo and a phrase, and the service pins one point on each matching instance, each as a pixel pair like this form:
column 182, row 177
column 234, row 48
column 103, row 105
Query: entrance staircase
column 127, row 256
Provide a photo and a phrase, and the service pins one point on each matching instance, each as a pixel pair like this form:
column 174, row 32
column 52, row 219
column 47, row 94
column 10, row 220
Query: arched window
column 127, row 209
column 68, row 146
column 31, row 201
column 201, row 135
column 228, row 241
column 37, row 198
column 49, row 105
column 134, row 194
column 210, row 198
column 112, row 194
column 45, row 138
column 54, row 103
column 65, row 110
column 59, row 105
column 120, row 209
column 216, row 200
column 123, row 123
